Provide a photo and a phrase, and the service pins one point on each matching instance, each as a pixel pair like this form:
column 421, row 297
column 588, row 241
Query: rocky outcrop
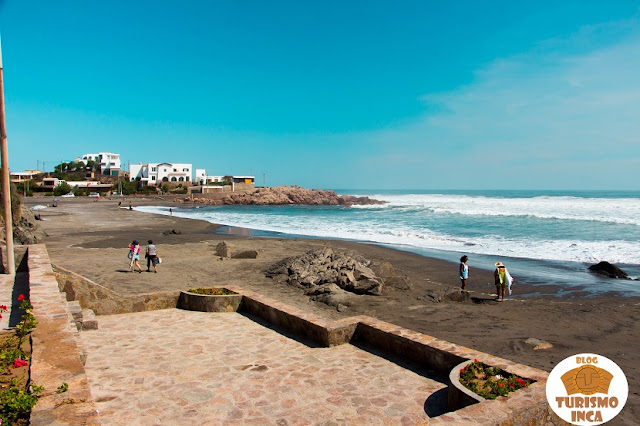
column 25, row 228
column 329, row 276
column 608, row 270
column 281, row 195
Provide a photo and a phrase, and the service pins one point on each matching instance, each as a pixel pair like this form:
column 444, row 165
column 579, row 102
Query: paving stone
column 243, row 372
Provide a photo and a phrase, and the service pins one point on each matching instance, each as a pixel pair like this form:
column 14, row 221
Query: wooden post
column 6, row 182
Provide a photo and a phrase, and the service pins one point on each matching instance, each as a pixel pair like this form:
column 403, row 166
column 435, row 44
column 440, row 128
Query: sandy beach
column 91, row 238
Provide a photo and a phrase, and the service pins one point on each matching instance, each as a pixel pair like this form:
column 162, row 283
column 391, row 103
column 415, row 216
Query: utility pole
column 6, row 183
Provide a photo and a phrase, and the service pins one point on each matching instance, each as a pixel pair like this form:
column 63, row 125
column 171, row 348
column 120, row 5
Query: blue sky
column 333, row 94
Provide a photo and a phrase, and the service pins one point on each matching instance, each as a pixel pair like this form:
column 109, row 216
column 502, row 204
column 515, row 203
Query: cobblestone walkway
column 177, row 367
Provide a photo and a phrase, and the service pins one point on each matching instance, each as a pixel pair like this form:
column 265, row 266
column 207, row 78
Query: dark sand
column 91, row 238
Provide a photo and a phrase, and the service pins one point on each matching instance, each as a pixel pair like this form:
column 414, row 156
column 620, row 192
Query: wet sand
column 91, row 238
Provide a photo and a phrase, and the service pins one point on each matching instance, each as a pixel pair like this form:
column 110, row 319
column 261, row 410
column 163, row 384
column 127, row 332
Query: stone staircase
column 82, row 319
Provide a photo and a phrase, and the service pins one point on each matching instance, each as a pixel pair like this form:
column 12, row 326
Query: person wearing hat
column 502, row 280
column 464, row 271
column 134, row 255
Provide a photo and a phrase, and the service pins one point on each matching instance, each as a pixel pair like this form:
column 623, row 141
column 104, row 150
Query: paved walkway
column 178, row 367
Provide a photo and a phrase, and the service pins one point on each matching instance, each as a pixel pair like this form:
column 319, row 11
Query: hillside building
column 109, row 162
column 157, row 173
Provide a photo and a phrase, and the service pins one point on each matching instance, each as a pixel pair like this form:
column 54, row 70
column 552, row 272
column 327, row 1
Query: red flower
column 21, row 298
column 3, row 307
column 462, row 370
column 501, row 385
column 0, row 316
column 475, row 360
column 19, row 363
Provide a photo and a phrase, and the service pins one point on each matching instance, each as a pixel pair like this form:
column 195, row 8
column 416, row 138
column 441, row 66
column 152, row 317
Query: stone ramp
column 182, row 367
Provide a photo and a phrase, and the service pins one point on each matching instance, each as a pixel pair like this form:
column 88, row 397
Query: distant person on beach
column 170, row 211
column 152, row 257
column 130, row 207
column 464, row 271
column 502, row 280
column 119, row 204
column 134, row 255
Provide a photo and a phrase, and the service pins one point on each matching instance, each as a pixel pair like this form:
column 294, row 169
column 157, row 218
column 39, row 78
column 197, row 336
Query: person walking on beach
column 464, row 271
column 152, row 257
column 502, row 280
column 170, row 211
column 134, row 254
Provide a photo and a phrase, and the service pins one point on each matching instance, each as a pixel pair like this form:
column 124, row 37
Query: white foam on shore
column 609, row 210
column 38, row 207
column 396, row 232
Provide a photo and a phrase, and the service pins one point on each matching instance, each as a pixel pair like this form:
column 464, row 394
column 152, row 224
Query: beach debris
column 327, row 266
column 538, row 344
column 247, row 254
column 172, row 232
column 609, row 270
column 223, row 249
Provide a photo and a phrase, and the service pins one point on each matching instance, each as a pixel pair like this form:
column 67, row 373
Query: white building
column 156, row 173
column 109, row 162
column 203, row 179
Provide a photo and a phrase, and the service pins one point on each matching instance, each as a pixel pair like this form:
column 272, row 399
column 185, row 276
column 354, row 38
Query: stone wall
column 104, row 301
column 57, row 354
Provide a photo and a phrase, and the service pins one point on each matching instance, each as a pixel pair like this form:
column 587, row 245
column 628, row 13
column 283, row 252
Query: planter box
column 459, row 396
column 209, row 303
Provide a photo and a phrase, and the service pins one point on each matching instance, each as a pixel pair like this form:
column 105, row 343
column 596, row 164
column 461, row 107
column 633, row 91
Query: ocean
column 544, row 237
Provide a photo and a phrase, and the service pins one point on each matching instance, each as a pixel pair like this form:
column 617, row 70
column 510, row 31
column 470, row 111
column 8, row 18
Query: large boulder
column 247, row 254
column 223, row 250
column 608, row 270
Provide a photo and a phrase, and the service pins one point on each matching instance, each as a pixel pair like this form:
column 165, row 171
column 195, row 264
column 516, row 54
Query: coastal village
column 102, row 174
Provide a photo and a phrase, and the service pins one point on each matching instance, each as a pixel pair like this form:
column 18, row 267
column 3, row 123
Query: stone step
column 89, row 321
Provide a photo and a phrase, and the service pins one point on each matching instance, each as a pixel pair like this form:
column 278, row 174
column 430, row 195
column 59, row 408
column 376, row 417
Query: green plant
column 62, row 388
column 15, row 403
column 62, row 189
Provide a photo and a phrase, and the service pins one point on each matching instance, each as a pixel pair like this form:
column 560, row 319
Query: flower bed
column 490, row 382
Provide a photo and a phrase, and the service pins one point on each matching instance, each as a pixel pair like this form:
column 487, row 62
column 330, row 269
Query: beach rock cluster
column 328, row 275
column 284, row 195
column 608, row 270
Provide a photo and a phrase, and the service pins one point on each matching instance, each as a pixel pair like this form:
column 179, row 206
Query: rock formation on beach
column 329, row 276
column 281, row 195
column 609, row 270
column 327, row 266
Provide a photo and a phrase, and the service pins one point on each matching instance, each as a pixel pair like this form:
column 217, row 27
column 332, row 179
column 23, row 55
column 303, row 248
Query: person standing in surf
column 464, row 271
